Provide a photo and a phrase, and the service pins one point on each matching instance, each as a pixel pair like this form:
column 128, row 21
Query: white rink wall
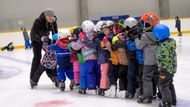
column 18, row 40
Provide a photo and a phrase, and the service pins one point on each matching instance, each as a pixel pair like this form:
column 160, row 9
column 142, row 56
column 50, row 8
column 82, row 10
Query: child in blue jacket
column 64, row 66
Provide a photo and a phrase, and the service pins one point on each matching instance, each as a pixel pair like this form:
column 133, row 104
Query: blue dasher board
column 119, row 17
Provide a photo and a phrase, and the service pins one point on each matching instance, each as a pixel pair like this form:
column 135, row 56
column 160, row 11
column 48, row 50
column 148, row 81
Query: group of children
column 135, row 57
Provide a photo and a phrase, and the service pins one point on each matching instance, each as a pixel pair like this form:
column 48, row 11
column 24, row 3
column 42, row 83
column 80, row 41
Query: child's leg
column 83, row 76
column 165, row 81
column 140, row 80
column 69, row 71
column 113, row 74
column 91, row 80
column 122, row 75
column 26, row 44
column 132, row 77
column 173, row 93
column 76, row 67
column 61, row 73
column 97, row 74
column 104, row 76
column 148, row 75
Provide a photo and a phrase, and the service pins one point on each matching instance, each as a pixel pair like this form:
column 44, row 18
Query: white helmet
column 130, row 22
column 107, row 23
column 64, row 33
column 99, row 25
column 87, row 26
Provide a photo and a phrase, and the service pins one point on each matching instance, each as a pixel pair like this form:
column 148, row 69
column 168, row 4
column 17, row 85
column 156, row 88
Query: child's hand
column 105, row 39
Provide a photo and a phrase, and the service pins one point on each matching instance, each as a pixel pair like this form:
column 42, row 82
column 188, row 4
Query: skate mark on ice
column 7, row 72
column 53, row 103
column 16, row 60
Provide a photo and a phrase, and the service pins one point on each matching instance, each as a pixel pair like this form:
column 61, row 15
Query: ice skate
column 91, row 91
column 33, row 84
column 164, row 104
column 112, row 91
column 144, row 100
column 121, row 94
column 62, row 85
column 82, row 91
column 101, row 92
column 72, row 84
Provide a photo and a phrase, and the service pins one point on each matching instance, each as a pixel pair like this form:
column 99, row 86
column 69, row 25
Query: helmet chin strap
column 147, row 29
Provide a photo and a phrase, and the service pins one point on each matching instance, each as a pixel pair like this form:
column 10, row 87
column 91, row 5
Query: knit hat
column 49, row 12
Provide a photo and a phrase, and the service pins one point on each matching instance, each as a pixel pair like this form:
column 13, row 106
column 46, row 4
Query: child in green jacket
column 167, row 64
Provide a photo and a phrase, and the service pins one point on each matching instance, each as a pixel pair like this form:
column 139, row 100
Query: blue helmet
column 161, row 32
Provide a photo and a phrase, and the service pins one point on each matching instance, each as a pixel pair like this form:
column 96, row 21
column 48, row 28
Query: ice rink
column 15, row 89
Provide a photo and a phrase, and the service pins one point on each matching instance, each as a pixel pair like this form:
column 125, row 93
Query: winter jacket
column 166, row 56
column 87, row 52
column 111, row 48
column 122, row 55
column 42, row 28
column 73, row 53
column 148, row 44
column 103, row 54
column 25, row 35
column 131, row 49
column 75, row 46
column 49, row 59
column 62, row 50
column 178, row 24
column 133, row 52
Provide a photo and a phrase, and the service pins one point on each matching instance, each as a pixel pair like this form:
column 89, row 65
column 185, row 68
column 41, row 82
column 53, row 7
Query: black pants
column 113, row 74
column 132, row 76
column 150, row 74
column 140, row 79
column 50, row 72
column 167, row 88
column 122, row 75
column 37, row 48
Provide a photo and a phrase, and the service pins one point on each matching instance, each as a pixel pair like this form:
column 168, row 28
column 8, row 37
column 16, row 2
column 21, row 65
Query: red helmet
column 150, row 18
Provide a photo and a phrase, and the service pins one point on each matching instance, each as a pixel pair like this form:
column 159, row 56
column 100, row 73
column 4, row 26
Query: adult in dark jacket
column 42, row 26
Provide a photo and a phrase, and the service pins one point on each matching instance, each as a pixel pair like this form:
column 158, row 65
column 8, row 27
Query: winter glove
column 44, row 39
column 55, row 37
column 105, row 39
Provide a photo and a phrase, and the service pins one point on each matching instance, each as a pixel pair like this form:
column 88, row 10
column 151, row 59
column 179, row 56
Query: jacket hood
column 62, row 43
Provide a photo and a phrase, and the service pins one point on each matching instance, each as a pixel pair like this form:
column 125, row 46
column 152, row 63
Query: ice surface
column 15, row 90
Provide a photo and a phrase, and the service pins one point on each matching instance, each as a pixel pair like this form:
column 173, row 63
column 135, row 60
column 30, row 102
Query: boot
column 62, row 85
column 82, row 91
column 164, row 104
column 54, row 79
column 101, row 92
column 92, row 91
column 121, row 94
column 112, row 91
column 145, row 100
column 72, row 84
column 33, row 84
